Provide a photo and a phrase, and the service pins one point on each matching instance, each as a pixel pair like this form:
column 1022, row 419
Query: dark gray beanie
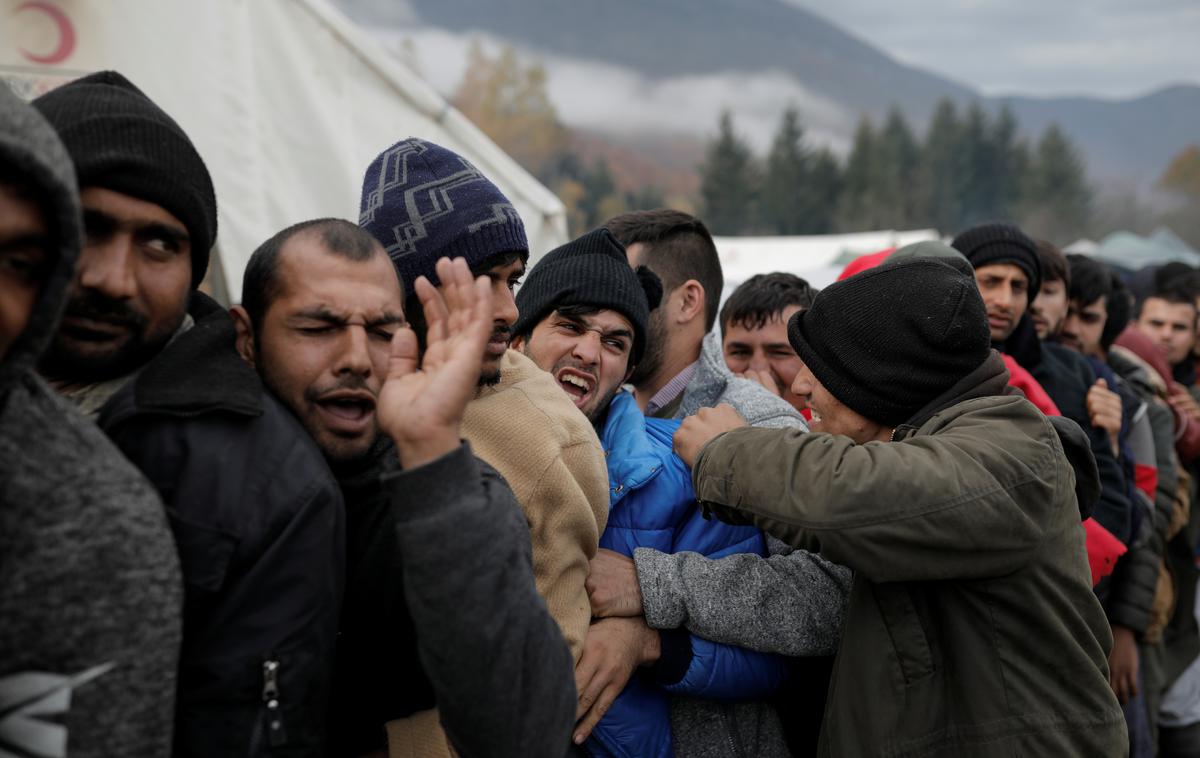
column 591, row 270
column 119, row 139
column 987, row 244
column 888, row 341
column 424, row 202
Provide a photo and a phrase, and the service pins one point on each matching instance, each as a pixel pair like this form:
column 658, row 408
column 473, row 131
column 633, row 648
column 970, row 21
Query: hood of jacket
column 991, row 378
column 32, row 150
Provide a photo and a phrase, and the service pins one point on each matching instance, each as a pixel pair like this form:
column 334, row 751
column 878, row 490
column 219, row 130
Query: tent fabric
column 1132, row 251
column 287, row 101
column 817, row 258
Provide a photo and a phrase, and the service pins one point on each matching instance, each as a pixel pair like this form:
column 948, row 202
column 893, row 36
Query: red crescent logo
column 66, row 32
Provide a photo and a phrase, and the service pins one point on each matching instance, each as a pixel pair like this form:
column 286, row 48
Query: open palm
column 423, row 398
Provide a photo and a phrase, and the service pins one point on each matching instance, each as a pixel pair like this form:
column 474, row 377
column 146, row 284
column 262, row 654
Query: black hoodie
column 90, row 593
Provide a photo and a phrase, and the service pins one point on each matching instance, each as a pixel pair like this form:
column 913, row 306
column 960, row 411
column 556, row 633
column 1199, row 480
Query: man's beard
column 491, row 377
column 655, row 349
column 61, row 363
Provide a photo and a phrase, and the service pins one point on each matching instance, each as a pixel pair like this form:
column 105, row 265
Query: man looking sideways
column 91, row 598
column 256, row 515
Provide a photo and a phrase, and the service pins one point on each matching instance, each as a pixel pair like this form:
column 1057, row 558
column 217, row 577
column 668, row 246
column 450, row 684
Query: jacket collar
column 200, row 371
column 711, row 376
column 632, row 457
column 989, row 379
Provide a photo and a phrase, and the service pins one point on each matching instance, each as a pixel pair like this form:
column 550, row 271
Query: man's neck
column 672, row 364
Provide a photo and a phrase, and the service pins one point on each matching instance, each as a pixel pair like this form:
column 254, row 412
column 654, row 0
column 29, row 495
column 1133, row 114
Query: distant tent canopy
column 286, row 100
column 1131, row 252
column 816, row 258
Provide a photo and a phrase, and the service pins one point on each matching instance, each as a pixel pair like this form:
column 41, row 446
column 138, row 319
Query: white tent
column 286, row 100
column 817, row 258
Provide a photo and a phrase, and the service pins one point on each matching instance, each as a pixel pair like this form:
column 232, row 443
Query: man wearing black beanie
column 972, row 629
column 256, row 514
column 584, row 316
column 1008, row 273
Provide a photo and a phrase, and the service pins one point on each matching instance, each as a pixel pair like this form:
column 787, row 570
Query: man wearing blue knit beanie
column 424, row 202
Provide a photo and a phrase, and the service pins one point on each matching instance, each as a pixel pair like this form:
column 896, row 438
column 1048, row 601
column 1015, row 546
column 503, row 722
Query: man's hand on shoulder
column 697, row 431
column 423, row 399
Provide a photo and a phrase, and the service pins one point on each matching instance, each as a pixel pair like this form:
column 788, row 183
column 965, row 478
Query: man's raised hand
column 422, row 401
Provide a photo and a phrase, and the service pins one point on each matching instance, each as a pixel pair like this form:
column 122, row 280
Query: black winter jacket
column 258, row 520
column 1067, row 377
column 441, row 610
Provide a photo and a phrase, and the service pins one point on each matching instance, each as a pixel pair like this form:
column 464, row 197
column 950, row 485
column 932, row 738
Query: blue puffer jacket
column 653, row 505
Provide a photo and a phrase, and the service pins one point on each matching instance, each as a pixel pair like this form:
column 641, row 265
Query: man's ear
column 517, row 343
column 245, row 333
column 690, row 302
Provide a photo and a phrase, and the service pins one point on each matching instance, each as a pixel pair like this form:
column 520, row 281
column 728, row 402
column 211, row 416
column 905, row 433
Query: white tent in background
column 817, row 258
column 286, row 100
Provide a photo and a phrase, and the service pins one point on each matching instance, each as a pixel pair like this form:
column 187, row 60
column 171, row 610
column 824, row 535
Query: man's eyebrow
column 169, row 232
column 320, row 313
column 779, row 346
column 99, row 221
column 386, row 319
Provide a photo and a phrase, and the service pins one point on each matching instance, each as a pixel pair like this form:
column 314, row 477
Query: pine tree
column 1057, row 200
column 856, row 207
column 1010, row 164
column 976, row 189
column 727, row 181
column 940, row 175
column 787, row 173
column 897, row 158
column 822, row 193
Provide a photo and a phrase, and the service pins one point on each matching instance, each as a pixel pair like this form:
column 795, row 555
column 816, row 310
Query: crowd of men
column 394, row 504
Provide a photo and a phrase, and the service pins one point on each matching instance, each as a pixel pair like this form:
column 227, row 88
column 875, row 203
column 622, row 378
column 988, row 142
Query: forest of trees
column 969, row 167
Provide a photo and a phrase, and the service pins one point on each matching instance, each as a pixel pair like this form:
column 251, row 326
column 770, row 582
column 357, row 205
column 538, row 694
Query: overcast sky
column 1109, row 48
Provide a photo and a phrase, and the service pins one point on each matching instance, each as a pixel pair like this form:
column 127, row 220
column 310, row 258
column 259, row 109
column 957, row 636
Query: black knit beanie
column 592, row 270
column 986, row 244
column 424, row 202
column 888, row 341
column 120, row 140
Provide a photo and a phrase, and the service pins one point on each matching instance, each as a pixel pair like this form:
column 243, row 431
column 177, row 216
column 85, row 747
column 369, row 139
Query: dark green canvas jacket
column 972, row 629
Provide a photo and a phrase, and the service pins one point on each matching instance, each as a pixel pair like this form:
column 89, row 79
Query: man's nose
column 355, row 355
column 107, row 268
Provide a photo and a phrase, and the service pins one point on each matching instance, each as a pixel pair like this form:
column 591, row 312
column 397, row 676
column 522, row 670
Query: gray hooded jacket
column 90, row 592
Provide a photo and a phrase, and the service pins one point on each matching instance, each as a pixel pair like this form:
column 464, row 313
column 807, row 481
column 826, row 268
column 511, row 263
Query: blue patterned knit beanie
column 423, row 202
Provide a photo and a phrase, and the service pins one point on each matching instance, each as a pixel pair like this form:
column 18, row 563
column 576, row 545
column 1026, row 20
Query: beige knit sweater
column 529, row 430
column 532, row 433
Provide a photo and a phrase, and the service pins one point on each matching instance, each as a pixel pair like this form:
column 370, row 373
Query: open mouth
column 576, row 384
column 347, row 411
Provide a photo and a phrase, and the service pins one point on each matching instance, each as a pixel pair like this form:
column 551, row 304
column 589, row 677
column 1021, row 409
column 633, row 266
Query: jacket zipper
column 276, row 735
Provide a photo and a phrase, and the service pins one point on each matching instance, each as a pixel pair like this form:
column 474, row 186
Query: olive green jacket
column 972, row 629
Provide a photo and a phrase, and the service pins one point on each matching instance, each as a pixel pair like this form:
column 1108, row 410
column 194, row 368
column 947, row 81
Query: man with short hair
column 424, row 202
column 1168, row 316
column 1008, row 273
column 1098, row 311
column 91, row 598
column 684, row 369
column 754, row 331
column 1049, row 308
column 322, row 317
column 255, row 512
column 584, row 317
column 971, row 623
